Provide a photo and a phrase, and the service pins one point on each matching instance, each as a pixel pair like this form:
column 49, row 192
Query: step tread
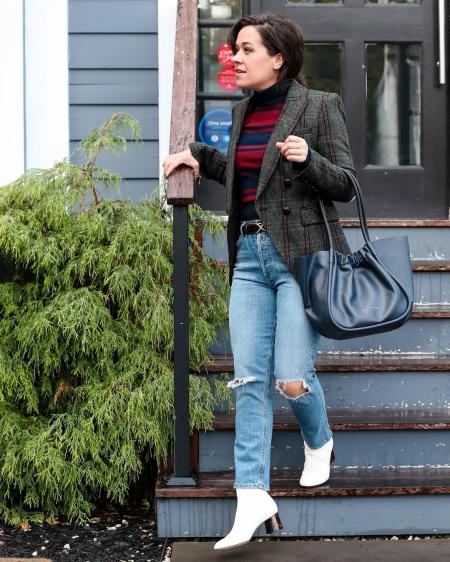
column 343, row 362
column 354, row 420
column 342, row 482
column 384, row 223
column 397, row 223
column 431, row 310
column 416, row 264
column 430, row 265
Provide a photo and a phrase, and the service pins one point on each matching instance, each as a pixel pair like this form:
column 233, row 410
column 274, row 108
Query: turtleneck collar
column 268, row 94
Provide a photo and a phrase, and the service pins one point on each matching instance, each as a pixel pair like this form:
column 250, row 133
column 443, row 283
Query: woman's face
column 255, row 68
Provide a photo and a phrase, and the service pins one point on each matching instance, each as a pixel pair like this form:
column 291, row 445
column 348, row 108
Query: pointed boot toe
column 254, row 506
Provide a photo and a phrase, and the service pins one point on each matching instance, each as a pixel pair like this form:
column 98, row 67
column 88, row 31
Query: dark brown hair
column 279, row 35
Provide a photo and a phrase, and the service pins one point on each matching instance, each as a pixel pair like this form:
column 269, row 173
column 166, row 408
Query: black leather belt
column 252, row 227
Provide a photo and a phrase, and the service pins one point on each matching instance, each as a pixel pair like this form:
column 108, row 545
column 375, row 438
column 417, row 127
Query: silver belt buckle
column 260, row 227
column 257, row 222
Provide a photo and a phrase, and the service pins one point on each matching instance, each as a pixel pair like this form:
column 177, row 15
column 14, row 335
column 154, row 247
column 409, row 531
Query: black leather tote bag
column 369, row 291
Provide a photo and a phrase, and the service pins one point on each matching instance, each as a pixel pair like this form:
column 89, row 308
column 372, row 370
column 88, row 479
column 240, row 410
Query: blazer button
column 286, row 210
column 287, row 182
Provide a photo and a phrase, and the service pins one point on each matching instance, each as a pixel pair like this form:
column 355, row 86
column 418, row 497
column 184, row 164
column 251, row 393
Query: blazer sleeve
column 212, row 162
column 333, row 151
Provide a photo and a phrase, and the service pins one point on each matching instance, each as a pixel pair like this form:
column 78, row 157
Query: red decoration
column 226, row 79
column 224, row 54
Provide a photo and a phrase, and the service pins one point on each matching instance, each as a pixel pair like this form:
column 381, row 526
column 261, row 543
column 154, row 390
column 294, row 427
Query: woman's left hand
column 293, row 148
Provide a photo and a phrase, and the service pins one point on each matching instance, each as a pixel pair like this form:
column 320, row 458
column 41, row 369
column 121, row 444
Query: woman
column 287, row 146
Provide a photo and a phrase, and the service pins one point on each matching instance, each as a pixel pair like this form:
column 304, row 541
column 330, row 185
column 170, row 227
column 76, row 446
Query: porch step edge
column 353, row 362
column 363, row 420
column 342, row 482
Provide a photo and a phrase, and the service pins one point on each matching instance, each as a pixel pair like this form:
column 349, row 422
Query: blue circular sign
column 214, row 128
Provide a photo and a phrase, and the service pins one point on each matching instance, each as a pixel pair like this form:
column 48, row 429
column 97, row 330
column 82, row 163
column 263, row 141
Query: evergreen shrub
column 86, row 334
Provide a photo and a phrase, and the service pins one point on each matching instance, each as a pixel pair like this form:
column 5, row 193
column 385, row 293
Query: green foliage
column 86, row 335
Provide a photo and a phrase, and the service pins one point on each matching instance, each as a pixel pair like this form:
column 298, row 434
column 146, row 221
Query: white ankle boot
column 317, row 464
column 254, row 506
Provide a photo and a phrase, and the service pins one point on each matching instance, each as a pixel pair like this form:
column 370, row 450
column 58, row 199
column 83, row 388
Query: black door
column 383, row 58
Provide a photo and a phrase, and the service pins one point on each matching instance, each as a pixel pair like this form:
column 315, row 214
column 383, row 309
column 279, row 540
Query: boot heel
column 332, row 457
column 273, row 524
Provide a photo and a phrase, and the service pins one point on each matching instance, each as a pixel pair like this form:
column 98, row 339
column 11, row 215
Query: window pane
column 314, row 1
column 219, row 9
column 322, row 66
column 216, row 72
column 393, row 104
column 393, row 1
column 214, row 122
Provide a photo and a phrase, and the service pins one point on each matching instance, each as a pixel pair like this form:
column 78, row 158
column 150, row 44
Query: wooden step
column 397, row 223
column 416, row 265
column 354, row 362
column 380, row 223
column 342, row 482
column 431, row 310
column 430, row 265
column 363, row 420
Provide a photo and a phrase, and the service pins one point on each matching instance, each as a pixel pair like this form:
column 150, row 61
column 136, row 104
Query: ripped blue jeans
column 272, row 342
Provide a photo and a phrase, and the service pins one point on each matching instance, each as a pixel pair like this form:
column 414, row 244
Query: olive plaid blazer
column 285, row 200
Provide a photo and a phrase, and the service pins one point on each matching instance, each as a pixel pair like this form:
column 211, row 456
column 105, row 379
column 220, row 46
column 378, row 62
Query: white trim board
column 47, row 82
column 12, row 137
column 167, row 23
column 34, row 95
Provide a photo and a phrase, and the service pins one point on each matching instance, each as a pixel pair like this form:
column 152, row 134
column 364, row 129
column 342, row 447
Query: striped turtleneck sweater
column 263, row 111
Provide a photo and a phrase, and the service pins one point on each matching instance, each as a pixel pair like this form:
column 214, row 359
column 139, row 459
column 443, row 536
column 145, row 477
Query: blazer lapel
column 238, row 118
column 295, row 105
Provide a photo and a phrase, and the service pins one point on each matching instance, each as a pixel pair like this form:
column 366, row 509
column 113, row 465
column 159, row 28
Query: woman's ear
column 278, row 61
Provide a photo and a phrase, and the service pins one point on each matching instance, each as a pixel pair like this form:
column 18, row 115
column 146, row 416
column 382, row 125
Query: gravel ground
column 110, row 536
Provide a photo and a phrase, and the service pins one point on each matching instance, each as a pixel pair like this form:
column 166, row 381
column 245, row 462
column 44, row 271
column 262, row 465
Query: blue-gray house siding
column 113, row 66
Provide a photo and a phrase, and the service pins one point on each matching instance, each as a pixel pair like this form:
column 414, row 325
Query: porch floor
column 316, row 551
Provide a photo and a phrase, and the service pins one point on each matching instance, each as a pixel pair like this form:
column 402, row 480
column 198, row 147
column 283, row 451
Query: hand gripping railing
column 180, row 194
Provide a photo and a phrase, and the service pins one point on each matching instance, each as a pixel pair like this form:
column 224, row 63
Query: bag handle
column 361, row 212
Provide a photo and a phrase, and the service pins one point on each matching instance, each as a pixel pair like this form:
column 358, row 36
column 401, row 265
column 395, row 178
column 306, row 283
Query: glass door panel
column 315, row 1
column 323, row 66
column 393, row 1
column 395, row 106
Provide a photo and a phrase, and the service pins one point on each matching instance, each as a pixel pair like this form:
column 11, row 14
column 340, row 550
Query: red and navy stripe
column 262, row 114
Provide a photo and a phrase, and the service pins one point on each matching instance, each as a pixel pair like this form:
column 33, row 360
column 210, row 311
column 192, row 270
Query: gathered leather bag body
column 367, row 292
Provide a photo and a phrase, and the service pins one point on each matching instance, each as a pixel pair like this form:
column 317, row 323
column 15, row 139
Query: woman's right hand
column 177, row 159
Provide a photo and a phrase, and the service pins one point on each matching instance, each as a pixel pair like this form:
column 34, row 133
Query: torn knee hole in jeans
column 303, row 388
column 240, row 381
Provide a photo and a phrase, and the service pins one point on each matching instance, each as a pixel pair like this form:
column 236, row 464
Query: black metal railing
column 180, row 194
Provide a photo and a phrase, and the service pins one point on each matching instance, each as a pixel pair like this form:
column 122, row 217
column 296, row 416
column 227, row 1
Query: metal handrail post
column 180, row 194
